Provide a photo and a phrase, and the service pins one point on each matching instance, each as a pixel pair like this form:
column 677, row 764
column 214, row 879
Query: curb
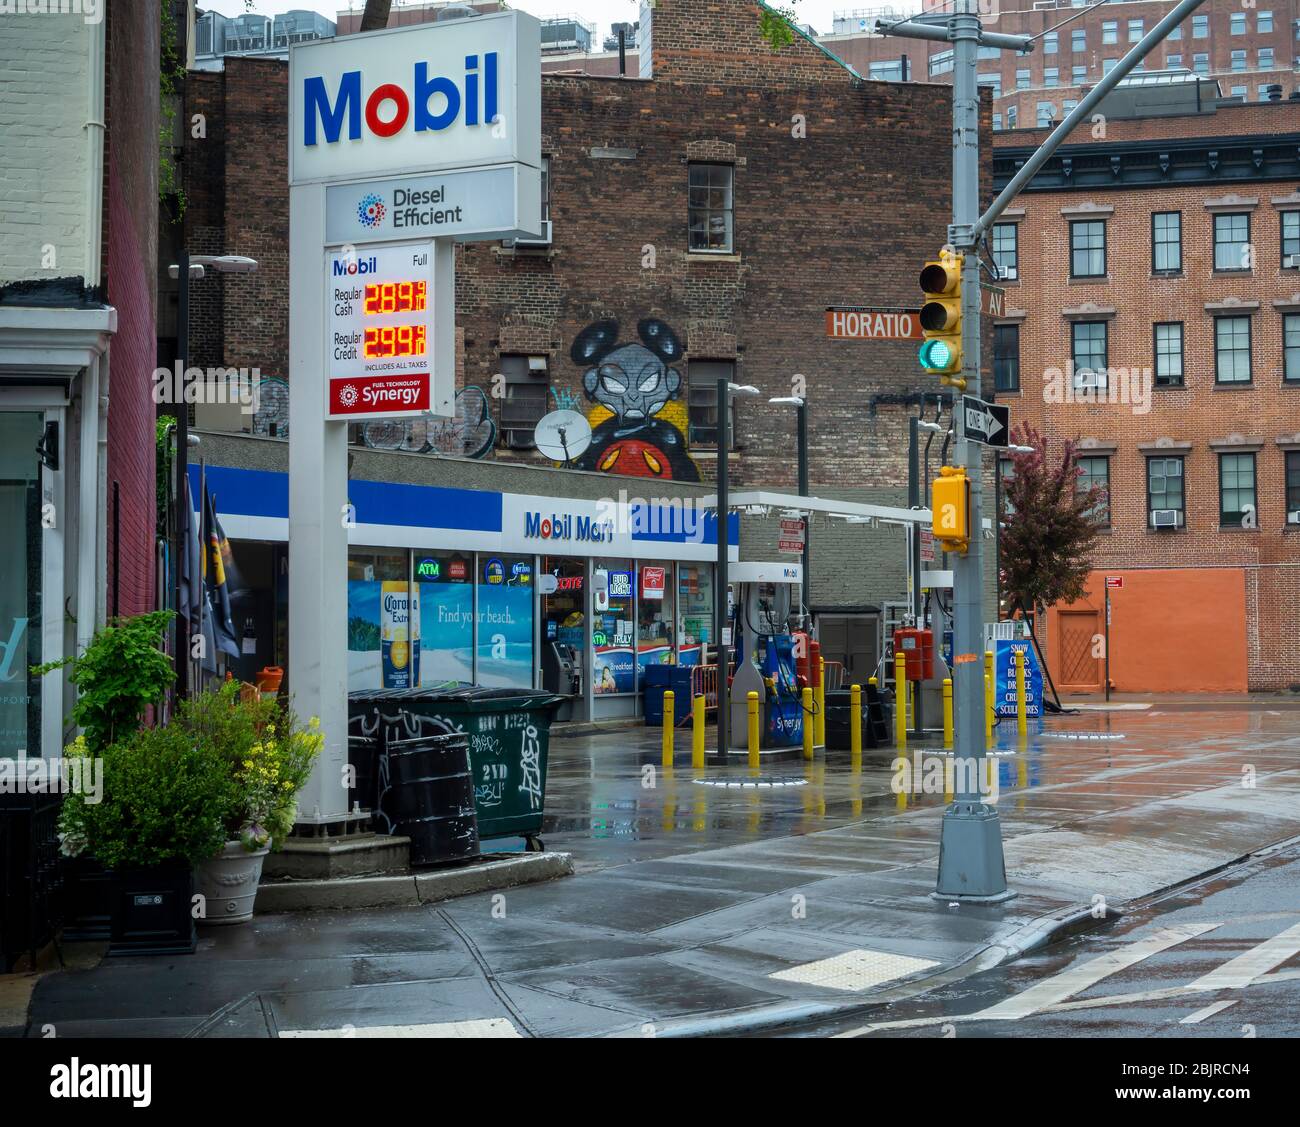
column 411, row 890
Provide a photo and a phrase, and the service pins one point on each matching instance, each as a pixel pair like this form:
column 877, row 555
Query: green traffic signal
column 936, row 355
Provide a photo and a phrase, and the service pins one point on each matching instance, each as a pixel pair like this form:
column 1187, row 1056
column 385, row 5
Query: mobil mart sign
column 455, row 94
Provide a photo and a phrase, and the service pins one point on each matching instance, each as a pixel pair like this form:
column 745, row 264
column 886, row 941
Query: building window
column 527, row 398
column 1232, row 242
column 712, row 208
column 1238, row 60
column 1078, row 40
column 1237, row 491
column 1201, row 63
column 1078, row 75
column 1088, row 249
column 1068, row 105
column 1046, row 114
column 1135, row 31
column 1108, row 65
column 1051, row 76
column 1166, row 242
column 1006, row 475
column 1237, row 23
column 1169, row 354
column 1264, row 21
column 1263, row 91
column 1242, row 92
column 997, row 122
column 1110, row 31
column 1006, row 357
column 1174, row 61
column 1290, row 221
column 1165, row 492
column 1022, row 79
column 1266, row 58
column 702, row 401
column 1291, row 347
column 941, row 62
column 1095, row 470
column 1006, row 250
column 1175, row 33
column 1292, row 483
column 887, row 70
column 992, row 81
column 1050, row 43
column 1088, row 349
column 1232, row 350
column 1011, row 117
column 1200, row 27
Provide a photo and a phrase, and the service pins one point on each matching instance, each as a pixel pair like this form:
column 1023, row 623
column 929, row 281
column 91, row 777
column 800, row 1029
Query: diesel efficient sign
column 455, row 94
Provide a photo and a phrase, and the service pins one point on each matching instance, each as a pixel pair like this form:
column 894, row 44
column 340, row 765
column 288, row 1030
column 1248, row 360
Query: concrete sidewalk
column 715, row 904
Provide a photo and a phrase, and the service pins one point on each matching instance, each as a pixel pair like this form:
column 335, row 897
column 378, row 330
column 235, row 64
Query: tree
column 1049, row 529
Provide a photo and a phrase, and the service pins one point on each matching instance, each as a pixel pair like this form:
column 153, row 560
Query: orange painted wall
column 1175, row 630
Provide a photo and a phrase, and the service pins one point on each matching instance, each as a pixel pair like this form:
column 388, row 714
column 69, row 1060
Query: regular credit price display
column 380, row 330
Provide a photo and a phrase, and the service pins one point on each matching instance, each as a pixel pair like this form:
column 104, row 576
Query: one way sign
column 986, row 422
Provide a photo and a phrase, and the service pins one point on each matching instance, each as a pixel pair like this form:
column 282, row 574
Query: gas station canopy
column 852, row 511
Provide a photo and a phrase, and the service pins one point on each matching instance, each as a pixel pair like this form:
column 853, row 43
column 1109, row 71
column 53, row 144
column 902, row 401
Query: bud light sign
column 455, row 94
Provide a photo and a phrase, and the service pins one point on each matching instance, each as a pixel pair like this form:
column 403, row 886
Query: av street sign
column 986, row 422
column 993, row 300
column 1115, row 582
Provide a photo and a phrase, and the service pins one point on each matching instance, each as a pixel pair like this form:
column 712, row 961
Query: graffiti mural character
column 639, row 423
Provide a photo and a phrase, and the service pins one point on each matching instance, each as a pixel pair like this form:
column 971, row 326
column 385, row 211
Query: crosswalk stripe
column 1059, row 987
column 479, row 1027
column 1209, row 1011
column 1249, row 965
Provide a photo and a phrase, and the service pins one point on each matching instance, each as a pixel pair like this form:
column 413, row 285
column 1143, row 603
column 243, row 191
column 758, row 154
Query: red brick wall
column 131, row 237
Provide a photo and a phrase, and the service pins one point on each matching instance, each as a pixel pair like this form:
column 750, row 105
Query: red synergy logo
column 361, row 395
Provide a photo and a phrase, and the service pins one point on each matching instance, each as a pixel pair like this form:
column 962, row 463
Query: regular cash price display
column 381, row 330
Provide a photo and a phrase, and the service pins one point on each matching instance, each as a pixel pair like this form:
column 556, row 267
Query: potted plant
column 162, row 810
column 268, row 756
column 120, row 675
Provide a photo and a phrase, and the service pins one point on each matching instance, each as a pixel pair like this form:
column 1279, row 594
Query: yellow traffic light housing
column 941, row 352
column 950, row 509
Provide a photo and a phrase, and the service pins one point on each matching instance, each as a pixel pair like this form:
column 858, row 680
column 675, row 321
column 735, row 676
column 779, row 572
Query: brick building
column 1248, row 50
column 78, row 246
column 710, row 212
column 1167, row 248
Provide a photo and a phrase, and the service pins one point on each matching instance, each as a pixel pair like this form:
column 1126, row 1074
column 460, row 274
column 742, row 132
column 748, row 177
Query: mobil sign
column 455, row 94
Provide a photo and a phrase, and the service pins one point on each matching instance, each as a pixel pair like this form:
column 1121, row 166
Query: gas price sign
column 381, row 328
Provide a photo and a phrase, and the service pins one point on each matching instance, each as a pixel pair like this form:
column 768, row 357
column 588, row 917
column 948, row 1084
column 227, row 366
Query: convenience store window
column 656, row 639
column 382, row 654
column 505, row 621
column 695, row 611
column 445, row 604
column 563, row 614
column 613, row 636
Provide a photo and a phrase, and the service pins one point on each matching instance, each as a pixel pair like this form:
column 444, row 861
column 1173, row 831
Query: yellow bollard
column 751, row 703
column 1022, row 705
column 820, row 723
column 808, row 723
column 900, row 701
column 670, row 718
column 697, row 732
column 947, row 712
column 855, row 725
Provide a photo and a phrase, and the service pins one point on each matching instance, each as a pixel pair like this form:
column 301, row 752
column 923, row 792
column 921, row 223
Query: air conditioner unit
column 1291, row 262
column 1164, row 518
column 1293, row 518
column 520, row 439
column 1010, row 274
column 1089, row 379
column 544, row 240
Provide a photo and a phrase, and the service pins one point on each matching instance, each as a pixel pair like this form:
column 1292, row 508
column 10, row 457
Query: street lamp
column 191, row 267
column 801, row 408
column 726, row 391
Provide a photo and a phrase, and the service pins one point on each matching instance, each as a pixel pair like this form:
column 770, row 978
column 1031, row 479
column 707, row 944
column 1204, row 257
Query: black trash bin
column 839, row 713
column 414, row 773
column 508, row 732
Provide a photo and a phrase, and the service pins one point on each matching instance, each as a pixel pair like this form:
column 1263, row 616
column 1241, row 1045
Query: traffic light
column 940, row 353
column 950, row 509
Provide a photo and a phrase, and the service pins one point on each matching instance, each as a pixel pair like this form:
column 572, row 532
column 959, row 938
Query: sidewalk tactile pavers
column 855, row 970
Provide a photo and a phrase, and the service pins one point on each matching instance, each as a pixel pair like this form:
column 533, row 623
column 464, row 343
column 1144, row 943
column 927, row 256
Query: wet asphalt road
column 1236, row 936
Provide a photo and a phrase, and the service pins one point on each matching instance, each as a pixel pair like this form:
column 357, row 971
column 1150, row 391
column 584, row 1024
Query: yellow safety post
column 808, row 723
column 900, row 700
column 670, row 717
column 855, row 725
column 820, row 721
column 1022, row 705
column 751, row 704
column 697, row 732
column 947, row 712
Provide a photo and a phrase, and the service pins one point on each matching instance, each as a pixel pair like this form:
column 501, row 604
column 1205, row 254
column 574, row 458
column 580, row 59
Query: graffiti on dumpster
column 530, row 764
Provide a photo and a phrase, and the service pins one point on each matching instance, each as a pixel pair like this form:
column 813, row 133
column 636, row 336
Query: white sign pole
column 318, row 498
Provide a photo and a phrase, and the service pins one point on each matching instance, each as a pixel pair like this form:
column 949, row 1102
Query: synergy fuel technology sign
column 381, row 330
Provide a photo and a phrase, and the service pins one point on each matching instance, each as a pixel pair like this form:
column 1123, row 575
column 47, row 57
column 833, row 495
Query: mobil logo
column 429, row 103
column 344, row 266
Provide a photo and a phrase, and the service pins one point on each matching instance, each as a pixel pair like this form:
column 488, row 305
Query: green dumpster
column 509, row 739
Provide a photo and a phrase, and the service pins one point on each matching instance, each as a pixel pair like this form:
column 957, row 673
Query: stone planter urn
column 228, row 883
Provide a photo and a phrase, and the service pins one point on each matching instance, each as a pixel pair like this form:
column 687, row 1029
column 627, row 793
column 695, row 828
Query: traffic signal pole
column 971, row 864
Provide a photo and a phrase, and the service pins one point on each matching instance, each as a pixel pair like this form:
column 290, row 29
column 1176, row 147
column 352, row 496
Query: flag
column 216, row 554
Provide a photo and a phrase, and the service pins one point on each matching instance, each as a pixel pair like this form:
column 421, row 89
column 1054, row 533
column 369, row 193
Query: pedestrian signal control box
column 950, row 509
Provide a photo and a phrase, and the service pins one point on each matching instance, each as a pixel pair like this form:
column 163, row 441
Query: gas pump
column 765, row 653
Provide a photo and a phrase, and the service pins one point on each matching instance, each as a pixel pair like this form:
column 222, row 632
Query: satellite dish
column 562, row 436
